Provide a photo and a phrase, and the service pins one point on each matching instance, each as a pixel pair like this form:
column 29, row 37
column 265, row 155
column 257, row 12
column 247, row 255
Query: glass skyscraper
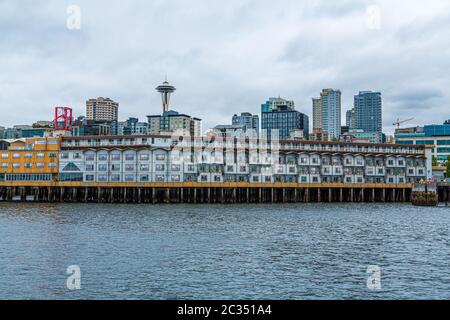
column 331, row 112
column 285, row 119
column 368, row 111
column 247, row 120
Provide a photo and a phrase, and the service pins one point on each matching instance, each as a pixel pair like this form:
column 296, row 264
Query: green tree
column 435, row 161
column 448, row 167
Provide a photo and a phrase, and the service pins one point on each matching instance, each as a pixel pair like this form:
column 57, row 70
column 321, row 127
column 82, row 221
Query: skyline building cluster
column 363, row 122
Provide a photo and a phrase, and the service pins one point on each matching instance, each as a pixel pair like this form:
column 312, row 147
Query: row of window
column 27, row 155
column 39, row 165
column 28, row 177
column 131, row 167
column 129, row 178
column 113, row 157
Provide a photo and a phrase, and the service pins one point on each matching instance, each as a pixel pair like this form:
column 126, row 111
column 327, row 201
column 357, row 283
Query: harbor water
column 291, row 251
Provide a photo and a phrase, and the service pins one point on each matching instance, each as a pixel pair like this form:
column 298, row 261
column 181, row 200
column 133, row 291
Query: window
column 175, row 167
column 4, row 165
column 129, row 167
column 160, row 157
column 90, row 177
column 443, row 142
column 217, row 179
column 28, row 156
column 159, row 178
column 160, row 167
column 115, row 167
column 115, row 157
column 176, row 178
column 40, row 156
column 40, row 165
column 102, row 157
column 16, row 155
column 16, row 165
column 144, row 157
column 144, row 167
column 89, row 167
column 52, row 155
column 145, row 178
column 102, row 167
column 102, row 178
column 90, row 157
column 5, row 156
column 77, row 155
column 115, row 177
column 52, row 165
column 64, row 155
column 191, row 167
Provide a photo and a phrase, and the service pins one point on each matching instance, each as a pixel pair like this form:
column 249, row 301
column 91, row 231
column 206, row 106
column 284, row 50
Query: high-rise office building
column 327, row 113
column 172, row 121
column 285, row 119
column 350, row 119
column 317, row 113
column 368, row 111
column 274, row 103
column 102, row 109
column 247, row 120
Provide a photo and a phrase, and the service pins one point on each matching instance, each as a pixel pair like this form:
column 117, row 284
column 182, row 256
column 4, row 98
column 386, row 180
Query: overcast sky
column 224, row 57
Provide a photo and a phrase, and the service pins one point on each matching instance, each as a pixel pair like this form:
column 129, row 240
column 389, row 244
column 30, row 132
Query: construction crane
column 399, row 122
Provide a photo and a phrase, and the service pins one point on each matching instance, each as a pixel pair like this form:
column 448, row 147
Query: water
column 224, row 252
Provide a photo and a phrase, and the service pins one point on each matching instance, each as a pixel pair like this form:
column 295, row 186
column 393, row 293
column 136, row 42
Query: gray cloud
column 223, row 57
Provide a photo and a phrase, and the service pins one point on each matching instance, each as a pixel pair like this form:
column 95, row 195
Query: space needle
column 166, row 90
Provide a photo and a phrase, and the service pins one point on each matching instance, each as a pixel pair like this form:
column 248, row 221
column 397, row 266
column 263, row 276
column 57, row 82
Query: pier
column 221, row 193
column 431, row 194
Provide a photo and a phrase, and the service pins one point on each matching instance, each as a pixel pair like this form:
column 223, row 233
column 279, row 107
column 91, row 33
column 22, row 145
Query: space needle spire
column 166, row 90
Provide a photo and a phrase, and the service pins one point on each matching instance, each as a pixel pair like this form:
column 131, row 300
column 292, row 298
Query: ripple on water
column 224, row 252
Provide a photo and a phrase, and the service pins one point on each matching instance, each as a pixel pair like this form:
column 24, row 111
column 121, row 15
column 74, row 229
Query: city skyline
column 223, row 67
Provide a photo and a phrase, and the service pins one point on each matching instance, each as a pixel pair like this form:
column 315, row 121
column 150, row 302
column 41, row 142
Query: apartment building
column 102, row 109
column 30, row 159
column 142, row 159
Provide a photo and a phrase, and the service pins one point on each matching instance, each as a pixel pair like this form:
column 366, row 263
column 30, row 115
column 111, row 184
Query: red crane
column 63, row 118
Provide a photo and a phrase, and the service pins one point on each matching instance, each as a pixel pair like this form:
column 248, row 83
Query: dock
column 225, row 193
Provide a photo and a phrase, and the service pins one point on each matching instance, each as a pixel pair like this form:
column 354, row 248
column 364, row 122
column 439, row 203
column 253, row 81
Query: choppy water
column 224, row 252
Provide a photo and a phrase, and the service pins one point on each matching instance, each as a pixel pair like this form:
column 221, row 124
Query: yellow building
column 29, row 159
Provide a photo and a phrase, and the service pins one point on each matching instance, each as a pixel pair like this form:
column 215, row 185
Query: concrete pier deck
column 202, row 192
